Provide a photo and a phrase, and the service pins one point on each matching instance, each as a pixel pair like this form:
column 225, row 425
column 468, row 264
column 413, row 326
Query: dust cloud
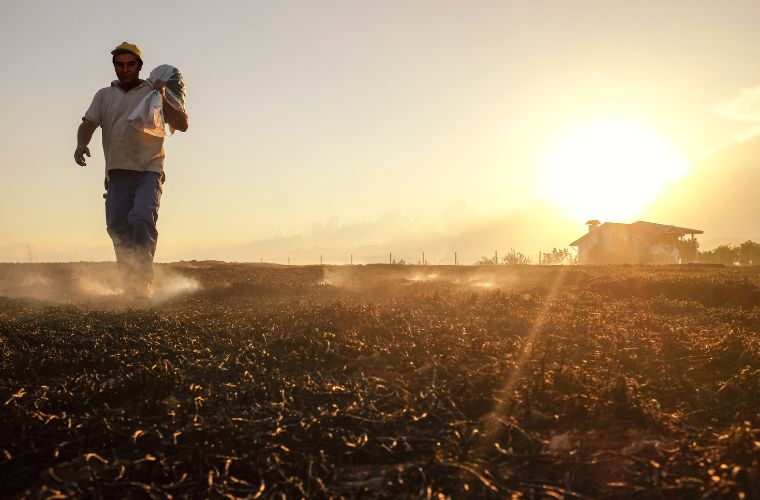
column 170, row 284
column 88, row 283
column 471, row 277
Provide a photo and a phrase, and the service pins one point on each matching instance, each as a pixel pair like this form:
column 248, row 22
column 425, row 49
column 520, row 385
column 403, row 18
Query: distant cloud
column 719, row 196
column 34, row 252
column 744, row 136
column 335, row 231
column 461, row 227
column 744, row 108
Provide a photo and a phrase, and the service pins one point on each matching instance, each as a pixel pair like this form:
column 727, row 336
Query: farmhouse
column 637, row 243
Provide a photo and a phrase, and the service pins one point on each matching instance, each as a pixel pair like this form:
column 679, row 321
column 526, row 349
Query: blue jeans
column 132, row 201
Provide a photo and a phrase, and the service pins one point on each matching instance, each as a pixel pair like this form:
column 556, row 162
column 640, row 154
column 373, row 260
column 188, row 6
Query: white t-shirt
column 124, row 146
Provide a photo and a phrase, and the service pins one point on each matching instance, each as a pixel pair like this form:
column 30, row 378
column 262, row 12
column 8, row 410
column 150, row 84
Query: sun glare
column 609, row 169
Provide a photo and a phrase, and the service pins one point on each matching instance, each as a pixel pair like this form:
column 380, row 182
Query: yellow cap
column 128, row 47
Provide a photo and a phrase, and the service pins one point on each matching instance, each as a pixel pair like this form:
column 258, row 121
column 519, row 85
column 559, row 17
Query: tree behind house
column 724, row 254
column 688, row 250
column 749, row 254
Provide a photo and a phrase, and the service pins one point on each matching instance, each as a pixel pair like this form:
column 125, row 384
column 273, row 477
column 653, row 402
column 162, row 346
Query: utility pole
column 455, row 259
column 288, row 260
column 352, row 259
column 496, row 257
column 423, row 258
column 389, row 258
column 320, row 259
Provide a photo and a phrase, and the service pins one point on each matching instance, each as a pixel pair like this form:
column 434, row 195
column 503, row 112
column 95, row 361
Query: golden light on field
column 609, row 169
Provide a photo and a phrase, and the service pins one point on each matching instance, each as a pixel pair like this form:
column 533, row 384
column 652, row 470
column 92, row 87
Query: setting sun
column 609, row 169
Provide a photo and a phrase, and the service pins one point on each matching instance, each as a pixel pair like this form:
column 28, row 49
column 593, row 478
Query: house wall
column 615, row 245
column 586, row 246
column 619, row 246
column 609, row 245
column 663, row 251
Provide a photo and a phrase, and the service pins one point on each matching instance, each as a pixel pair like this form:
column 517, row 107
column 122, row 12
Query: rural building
column 637, row 243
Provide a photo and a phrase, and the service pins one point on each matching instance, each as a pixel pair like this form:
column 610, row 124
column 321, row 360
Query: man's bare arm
column 174, row 114
column 84, row 134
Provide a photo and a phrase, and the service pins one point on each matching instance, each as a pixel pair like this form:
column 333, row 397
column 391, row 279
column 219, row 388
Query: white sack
column 148, row 116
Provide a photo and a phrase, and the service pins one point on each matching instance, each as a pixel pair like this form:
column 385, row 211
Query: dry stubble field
column 380, row 381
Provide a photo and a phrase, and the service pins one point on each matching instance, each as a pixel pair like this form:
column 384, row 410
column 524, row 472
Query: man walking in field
column 134, row 165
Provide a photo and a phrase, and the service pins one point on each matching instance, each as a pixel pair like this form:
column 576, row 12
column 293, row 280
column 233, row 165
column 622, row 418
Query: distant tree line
column 556, row 256
column 688, row 250
column 746, row 254
column 509, row 258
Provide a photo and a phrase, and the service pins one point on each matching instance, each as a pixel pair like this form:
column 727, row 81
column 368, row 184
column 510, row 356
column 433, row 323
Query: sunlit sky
column 358, row 127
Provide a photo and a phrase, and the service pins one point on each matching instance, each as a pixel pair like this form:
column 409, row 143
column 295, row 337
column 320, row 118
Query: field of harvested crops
column 381, row 381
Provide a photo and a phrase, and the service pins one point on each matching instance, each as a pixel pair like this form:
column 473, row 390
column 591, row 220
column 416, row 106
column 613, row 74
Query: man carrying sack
column 134, row 165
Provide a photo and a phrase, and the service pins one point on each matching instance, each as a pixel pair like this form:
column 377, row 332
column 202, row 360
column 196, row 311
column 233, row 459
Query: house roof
column 642, row 230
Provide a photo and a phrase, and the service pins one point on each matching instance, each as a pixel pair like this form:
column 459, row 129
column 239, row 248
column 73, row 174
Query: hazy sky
column 342, row 127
